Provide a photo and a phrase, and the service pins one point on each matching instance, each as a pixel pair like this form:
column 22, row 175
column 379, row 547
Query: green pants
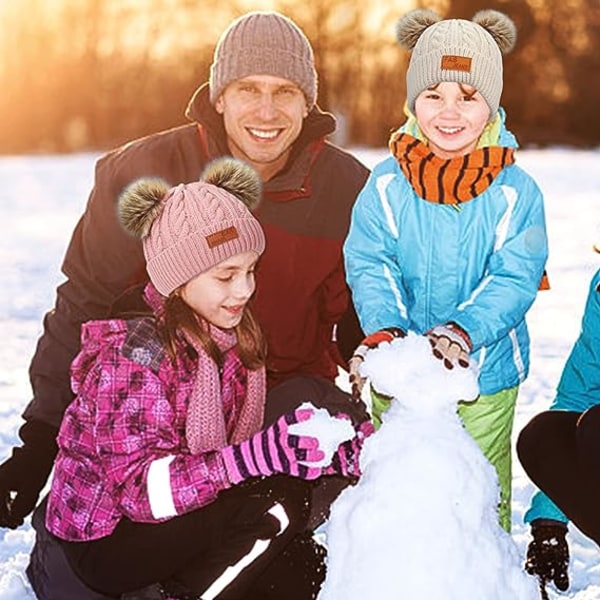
column 489, row 421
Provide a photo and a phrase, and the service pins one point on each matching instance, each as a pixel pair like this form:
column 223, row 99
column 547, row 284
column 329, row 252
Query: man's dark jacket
column 301, row 291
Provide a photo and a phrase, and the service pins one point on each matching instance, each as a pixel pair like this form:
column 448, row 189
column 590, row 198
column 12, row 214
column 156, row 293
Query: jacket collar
column 154, row 299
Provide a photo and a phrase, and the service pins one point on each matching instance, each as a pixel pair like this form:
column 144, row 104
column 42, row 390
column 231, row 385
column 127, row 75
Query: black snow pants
column 560, row 452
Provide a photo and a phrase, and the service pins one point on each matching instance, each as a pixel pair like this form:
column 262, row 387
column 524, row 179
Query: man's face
column 263, row 116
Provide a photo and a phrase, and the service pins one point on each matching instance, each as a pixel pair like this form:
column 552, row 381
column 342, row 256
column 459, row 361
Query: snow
column 330, row 432
column 424, row 480
column 41, row 199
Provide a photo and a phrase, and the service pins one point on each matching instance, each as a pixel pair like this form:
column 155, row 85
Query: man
column 259, row 106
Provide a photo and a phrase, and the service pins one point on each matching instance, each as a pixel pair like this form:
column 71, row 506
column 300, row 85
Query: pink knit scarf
column 205, row 425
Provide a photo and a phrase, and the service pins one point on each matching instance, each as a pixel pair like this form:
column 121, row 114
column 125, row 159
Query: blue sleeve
column 543, row 508
column 579, row 385
column 514, row 268
column 372, row 268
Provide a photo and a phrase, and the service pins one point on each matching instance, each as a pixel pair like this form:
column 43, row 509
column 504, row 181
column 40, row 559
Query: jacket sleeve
column 543, row 508
column 579, row 385
column 102, row 261
column 349, row 334
column 372, row 270
column 149, row 471
column 514, row 269
column 337, row 312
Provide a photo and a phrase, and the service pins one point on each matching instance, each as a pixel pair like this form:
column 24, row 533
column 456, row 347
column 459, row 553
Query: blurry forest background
column 90, row 74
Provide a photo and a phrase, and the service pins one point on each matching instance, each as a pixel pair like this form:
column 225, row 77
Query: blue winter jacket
column 414, row 264
column 578, row 388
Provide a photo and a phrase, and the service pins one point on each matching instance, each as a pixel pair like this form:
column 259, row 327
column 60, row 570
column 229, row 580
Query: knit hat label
column 221, row 237
column 183, row 242
column 456, row 63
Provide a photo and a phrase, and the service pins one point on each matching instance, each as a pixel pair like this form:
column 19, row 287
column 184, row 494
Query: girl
column 164, row 473
column 448, row 235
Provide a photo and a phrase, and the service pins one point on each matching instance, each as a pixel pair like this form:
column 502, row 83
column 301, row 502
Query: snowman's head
column 406, row 370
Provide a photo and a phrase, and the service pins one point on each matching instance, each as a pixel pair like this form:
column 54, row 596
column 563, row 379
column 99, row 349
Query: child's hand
column 346, row 459
column 450, row 344
column 274, row 450
column 373, row 340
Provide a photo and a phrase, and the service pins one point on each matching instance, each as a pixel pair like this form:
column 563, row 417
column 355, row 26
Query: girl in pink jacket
column 166, row 483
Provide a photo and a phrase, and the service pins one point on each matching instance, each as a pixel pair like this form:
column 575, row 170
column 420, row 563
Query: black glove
column 548, row 554
column 24, row 474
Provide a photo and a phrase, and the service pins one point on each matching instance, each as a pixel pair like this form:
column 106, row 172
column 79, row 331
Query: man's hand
column 373, row 340
column 18, row 494
column 24, row 474
column 548, row 554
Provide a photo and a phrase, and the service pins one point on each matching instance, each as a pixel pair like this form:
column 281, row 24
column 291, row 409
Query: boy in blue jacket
column 448, row 235
column 560, row 452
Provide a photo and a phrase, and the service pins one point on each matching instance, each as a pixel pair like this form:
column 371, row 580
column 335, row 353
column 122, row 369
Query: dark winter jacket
column 301, row 289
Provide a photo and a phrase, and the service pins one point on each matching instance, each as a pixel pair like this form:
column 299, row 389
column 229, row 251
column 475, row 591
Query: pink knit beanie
column 188, row 229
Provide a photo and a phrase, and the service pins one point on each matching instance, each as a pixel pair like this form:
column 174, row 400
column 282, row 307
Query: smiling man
column 263, row 116
column 259, row 106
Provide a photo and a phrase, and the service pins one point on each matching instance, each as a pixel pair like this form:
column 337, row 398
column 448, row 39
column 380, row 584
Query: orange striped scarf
column 448, row 181
column 451, row 181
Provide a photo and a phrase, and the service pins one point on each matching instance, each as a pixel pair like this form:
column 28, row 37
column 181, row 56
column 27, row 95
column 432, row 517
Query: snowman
column 422, row 522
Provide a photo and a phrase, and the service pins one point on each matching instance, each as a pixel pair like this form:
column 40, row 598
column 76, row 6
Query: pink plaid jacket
column 126, row 385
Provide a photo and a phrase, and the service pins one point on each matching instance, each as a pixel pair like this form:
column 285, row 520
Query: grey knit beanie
column 456, row 50
column 188, row 229
column 263, row 43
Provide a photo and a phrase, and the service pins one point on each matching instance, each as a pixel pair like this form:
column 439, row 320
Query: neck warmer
column 448, row 181
column 206, row 428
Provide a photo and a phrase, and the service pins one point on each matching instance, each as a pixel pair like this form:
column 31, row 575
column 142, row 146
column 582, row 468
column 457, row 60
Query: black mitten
column 548, row 553
column 24, row 474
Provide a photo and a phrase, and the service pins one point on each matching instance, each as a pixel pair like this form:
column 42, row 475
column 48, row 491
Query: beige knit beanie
column 190, row 228
column 263, row 43
column 456, row 50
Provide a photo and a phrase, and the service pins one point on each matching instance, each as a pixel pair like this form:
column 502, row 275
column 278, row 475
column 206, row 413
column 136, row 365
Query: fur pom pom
column 410, row 27
column 499, row 26
column 237, row 178
column 140, row 204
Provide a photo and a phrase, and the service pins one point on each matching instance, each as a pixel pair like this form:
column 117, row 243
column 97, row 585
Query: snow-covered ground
column 41, row 198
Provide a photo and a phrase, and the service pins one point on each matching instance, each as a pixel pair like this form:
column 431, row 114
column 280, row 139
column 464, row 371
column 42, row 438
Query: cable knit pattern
column 199, row 227
column 206, row 426
column 460, row 51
